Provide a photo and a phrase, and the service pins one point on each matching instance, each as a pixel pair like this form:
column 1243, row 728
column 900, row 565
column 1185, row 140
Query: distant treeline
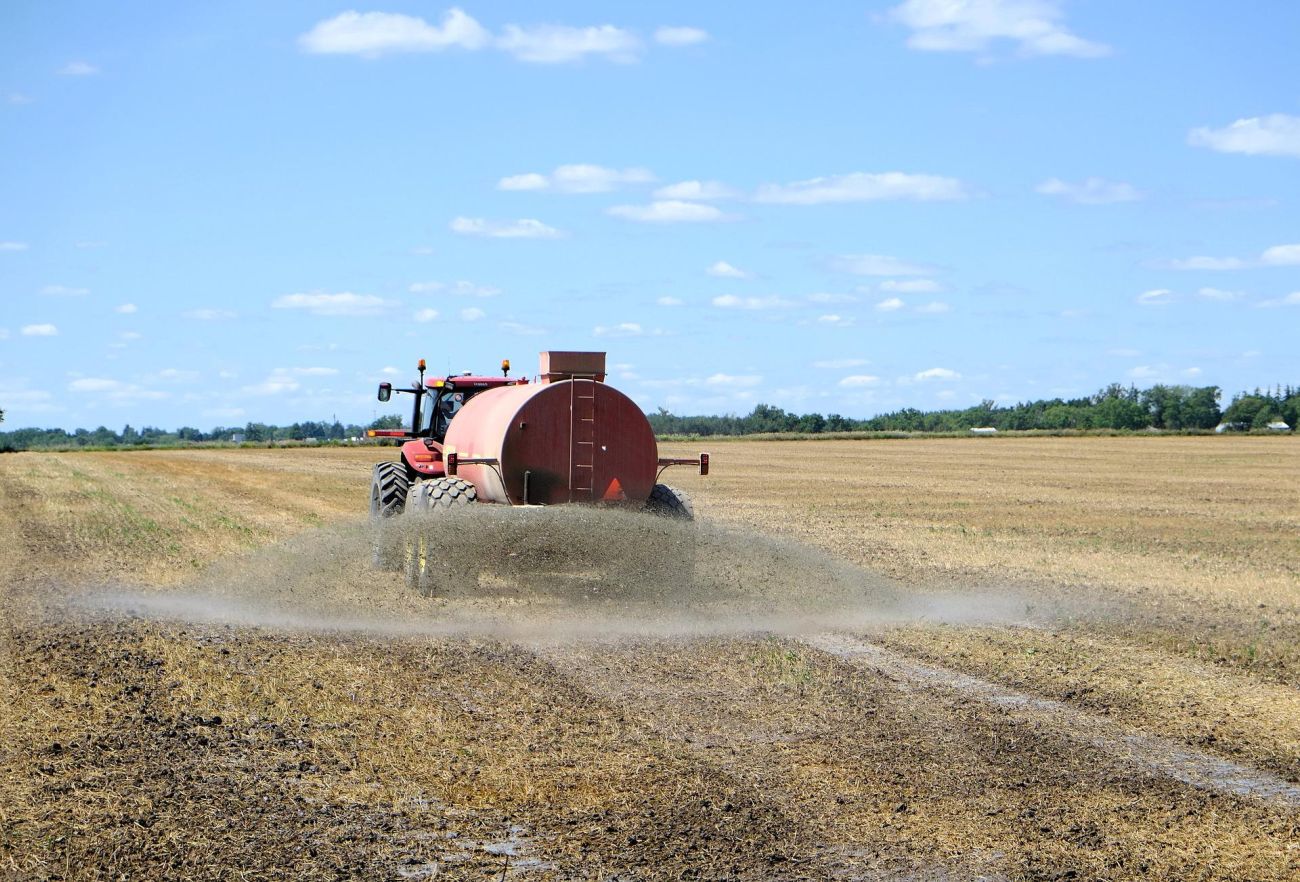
column 1170, row 408
column 150, row 436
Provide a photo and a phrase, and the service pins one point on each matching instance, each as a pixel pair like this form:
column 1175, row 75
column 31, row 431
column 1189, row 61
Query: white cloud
column 731, row 301
column 19, row 98
column 1201, row 262
column 342, row 304
column 127, row 309
column 131, row 335
column 1091, row 191
column 390, row 371
column 1292, row 299
column 425, row 315
column 4, row 333
column 893, row 304
column 863, row 187
column 461, row 288
column 1278, row 255
column 878, row 265
column 472, row 314
column 1156, row 297
column 835, row 320
column 680, row 36
column 209, row 315
column 114, row 390
column 556, row 44
column 1274, row 135
column 1281, row 255
column 1147, row 372
column 670, row 211
column 934, row 307
column 44, row 330
column 827, row 297
column 176, row 375
column 1219, row 294
column 578, row 178
column 700, row 191
column 372, row 34
column 278, row 382
column 911, row 286
column 524, row 228
column 78, row 69
column 13, row 246
column 857, row 381
column 669, row 301
column 64, row 291
column 529, row 181
column 1033, row 26
column 622, row 329
column 734, row 381
column 839, row 363
column 724, row 270
column 1191, row 372
column 936, row 373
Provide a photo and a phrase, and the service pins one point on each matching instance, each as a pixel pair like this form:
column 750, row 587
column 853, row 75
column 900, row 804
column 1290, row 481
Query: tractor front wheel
column 389, row 486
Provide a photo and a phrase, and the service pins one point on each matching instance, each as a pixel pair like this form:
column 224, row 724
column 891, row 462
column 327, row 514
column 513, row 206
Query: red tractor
column 567, row 437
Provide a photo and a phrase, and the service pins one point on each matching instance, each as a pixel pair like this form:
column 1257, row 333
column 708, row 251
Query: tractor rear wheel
column 426, row 571
column 670, row 502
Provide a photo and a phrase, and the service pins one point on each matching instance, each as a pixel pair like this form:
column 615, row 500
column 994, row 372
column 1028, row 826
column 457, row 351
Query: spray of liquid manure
column 547, row 574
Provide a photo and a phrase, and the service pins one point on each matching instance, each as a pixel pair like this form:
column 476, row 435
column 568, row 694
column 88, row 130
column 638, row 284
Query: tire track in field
column 1150, row 753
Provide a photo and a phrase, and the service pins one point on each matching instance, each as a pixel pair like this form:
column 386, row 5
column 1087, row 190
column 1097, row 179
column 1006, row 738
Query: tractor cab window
column 445, row 406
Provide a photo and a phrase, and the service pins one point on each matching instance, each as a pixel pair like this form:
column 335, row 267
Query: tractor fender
column 423, row 457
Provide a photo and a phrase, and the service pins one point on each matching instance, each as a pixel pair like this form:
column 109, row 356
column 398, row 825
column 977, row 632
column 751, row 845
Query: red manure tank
column 568, row 438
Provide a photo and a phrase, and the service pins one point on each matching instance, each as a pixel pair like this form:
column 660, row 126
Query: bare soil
column 202, row 678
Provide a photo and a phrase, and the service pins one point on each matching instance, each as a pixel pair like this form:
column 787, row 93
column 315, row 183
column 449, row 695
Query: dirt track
column 1154, row 590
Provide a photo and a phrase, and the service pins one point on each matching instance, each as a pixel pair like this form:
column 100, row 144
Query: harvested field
column 1048, row 658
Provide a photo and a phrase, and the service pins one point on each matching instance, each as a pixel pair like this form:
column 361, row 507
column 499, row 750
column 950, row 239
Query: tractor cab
column 437, row 401
column 449, row 396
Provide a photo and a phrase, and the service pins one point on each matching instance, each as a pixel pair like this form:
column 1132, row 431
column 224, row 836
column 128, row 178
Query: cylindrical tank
column 568, row 441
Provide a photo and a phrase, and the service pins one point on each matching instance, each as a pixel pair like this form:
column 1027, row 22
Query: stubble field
column 1048, row 658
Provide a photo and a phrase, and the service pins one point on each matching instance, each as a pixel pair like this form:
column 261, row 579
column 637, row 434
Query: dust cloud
column 543, row 575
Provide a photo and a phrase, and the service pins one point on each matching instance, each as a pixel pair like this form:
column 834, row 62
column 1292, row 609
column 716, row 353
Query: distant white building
column 984, row 430
column 1279, row 426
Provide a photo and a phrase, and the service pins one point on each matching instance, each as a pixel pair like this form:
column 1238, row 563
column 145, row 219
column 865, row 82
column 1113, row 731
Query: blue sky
column 217, row 213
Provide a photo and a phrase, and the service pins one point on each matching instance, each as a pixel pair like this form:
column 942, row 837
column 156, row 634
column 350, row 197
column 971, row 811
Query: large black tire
column 425, row 572
column 669, row 502
column 389, row 486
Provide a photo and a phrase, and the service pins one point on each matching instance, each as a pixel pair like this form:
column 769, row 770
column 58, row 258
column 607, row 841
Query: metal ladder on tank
column 582, row 438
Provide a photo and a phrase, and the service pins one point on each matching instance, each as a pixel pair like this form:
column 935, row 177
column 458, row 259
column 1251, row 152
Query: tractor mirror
column 385, row 391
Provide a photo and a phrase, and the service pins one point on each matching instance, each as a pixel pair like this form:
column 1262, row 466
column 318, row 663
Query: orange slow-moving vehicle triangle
column 614, row 491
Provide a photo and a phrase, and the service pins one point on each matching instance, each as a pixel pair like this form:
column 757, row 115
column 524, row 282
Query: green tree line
column 1170, row 408
column 151, row 436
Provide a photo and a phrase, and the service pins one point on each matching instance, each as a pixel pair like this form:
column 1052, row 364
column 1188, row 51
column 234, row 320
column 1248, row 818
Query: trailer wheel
column 425, row 570
column 669, row 502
